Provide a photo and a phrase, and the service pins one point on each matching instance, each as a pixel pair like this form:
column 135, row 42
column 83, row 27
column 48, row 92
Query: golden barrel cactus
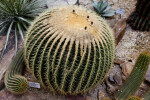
column 69, row 49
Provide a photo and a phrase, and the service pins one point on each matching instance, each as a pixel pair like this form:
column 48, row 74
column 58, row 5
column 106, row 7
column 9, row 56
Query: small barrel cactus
column 69, row 49
column 136, row 77
column 14, row 82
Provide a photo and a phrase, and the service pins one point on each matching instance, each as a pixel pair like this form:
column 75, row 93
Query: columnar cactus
column 136, row 77
column 140, row 18
column 69, row 49
column 14, row 82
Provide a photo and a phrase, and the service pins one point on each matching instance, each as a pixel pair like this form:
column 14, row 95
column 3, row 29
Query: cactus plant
column 136, row 77
column 103, row 8
column 16, row 15
column 134, row 98
column 69, row 49
column 14, row 82
column 140, row 18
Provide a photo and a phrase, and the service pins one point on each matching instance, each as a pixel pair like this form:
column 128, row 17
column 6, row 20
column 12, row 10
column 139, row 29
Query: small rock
column 101, row 95
column 98, row 91
column 124, row 78
column 115, row 79
column 118, row 61
column 127, row 68
column 110, row 88
column 111, row 79
column 119, row 30
column 118, row 79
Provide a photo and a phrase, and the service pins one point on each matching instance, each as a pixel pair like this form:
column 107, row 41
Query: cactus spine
column 14, row 82
column 69, row 49
column 140, row 18
column 136, row 77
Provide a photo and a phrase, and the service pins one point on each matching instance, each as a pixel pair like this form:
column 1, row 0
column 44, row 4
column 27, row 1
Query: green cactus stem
column 69, row 49
column 14, row 82
column 140, row 18
column 147, row 96
column 134, row 98
column 136, row 77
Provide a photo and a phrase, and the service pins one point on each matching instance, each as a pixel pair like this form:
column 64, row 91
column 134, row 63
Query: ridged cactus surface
column 14, row 82
column 136, row 77
column 69, row 49
column 140, row 18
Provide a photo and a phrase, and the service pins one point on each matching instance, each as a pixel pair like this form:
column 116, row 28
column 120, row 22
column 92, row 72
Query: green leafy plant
column 69, row 54
column 17, row 15
column 103, row 8
column 136, row 77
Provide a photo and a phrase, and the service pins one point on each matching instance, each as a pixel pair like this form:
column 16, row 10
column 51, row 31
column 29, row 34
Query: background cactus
column 103, row 8
column 14, row 82
column 69, row 49
column 136, row 77
column 140, row 18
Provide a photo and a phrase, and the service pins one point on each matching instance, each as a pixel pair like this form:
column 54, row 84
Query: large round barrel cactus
column 69, row 49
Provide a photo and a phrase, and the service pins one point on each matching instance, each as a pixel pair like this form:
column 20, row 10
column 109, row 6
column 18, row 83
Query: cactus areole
column 69, row 49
